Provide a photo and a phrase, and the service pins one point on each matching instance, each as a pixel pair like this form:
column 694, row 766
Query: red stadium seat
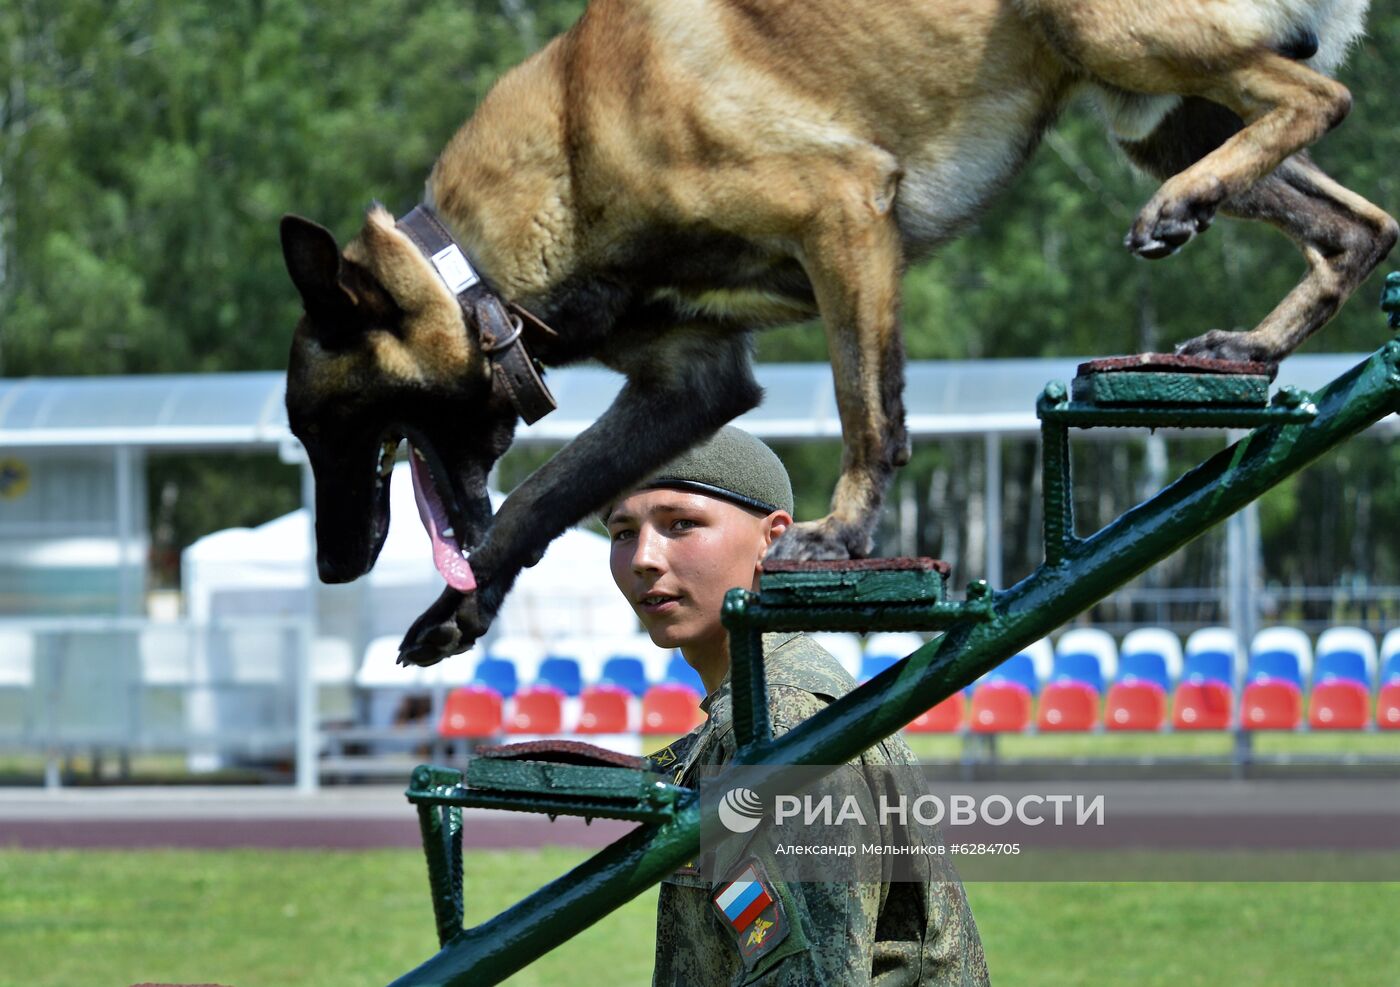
column 603, row 709
column 1388, row 707
column 1204, row 705
column 471, row 711
column 1000, row 707
column 1274, row 704
column 537, row 709
column 1139, row 705
column 1339, row 704
column 1068, row 706
column 670, row 708
column 946, row 717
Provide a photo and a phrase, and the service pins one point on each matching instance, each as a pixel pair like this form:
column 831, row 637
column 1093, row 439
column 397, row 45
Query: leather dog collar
column 499, row 325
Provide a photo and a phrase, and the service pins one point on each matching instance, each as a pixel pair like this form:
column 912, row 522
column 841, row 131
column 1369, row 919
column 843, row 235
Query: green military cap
column 731, row 464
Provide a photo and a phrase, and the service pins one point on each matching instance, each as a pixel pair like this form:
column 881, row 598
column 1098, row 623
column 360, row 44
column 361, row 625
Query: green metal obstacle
column 980, row 631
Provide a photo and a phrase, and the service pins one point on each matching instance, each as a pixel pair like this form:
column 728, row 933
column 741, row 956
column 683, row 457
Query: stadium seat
column 1068, row 706
column 1212, row 653
column 625, row 672
column 1270, row 666
column 498, row 674
column 1019, row 668
column 471, row 711
column 537, row 709
column 1271, row 704
column 670, row 708
column 563, row 673
column 380, row 668
column 1286, row 639
column 1388, row 707
column 897, row 644
column 455, row 671
column 603, row 709
column 1390, row 669
column 1042, row 656
column 1135, row 705
column 1093, row 641
column 1079, row 666
column 1202, row 705
column 884, row 649
column 524, row 653
column 1339, row 704
column 873, row 665
column 679, row 672
column 1390, row 648
column 1209, row 666
column 1347, row 640
column 1000, row 707
column 946, row 717
column 1347, row 666
column 1144, row 666
column 1153, row 641
column 845, row 648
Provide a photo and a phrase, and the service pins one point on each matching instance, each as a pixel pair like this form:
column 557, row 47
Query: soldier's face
column 675, row 554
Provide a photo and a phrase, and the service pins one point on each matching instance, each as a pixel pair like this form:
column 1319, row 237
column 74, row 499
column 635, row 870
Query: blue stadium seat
column 1275, row 665
column 1209, row 666
column 562, row 673
column 678, row 671
column 1347, row 665
column 498, row 674
column 873, row 665
column 1144, row 666
column 1079, row 666
column 627, row 673
column 1019, row 668
column 1390, row 671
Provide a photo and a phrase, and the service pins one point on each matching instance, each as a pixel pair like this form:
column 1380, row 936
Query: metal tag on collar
column 454, row 268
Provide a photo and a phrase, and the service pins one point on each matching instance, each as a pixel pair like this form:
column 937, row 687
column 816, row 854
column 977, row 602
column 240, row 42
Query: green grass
column 254, row 918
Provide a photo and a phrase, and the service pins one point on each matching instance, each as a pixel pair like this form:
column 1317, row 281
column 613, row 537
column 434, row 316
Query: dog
column 670, row 175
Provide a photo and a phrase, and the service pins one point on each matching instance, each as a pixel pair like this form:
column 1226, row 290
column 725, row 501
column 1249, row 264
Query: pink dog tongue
column 447, row 551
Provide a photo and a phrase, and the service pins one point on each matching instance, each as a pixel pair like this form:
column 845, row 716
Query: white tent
column 264, row 571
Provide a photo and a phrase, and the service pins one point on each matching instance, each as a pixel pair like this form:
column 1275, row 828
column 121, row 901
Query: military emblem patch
column 751, row 910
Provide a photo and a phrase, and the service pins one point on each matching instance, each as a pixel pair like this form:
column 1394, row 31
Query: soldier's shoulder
column 799, row 662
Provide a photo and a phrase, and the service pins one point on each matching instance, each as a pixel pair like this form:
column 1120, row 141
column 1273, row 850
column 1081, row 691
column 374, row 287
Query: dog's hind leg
column 1341, row 235
column 853, row 257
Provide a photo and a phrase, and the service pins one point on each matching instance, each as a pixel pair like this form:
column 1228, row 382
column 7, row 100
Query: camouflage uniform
column 884, row 933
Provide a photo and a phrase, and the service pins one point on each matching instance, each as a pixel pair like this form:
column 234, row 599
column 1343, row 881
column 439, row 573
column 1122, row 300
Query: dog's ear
column 314, row 262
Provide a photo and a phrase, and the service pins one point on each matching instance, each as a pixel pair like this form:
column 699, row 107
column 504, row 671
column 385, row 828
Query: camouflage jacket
column 878, row 932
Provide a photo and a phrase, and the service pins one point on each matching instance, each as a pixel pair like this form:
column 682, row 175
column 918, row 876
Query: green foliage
column 148, row 148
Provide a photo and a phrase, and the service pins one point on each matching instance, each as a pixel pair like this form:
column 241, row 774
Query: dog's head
column 383, row 354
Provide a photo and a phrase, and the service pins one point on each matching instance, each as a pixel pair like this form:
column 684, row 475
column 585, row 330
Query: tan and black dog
column 670, row 175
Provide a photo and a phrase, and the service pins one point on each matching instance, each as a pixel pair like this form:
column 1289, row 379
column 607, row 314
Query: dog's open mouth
column 437, row 507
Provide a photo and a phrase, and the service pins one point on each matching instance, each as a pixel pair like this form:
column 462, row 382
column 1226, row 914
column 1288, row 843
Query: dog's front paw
column 1221, row 345
column 1174, row 215
column 824, row 540
column 450, row 626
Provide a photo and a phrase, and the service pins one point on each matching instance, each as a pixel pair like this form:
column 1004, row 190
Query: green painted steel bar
column 441, row 826
column 493, row 950
column 1091, row 568
column 1055, row 482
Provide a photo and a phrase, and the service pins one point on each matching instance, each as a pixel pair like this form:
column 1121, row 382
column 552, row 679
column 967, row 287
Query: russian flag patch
column 751, row 911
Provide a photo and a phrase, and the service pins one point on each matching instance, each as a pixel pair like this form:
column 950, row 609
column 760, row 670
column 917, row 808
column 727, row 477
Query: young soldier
column 680, row 541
